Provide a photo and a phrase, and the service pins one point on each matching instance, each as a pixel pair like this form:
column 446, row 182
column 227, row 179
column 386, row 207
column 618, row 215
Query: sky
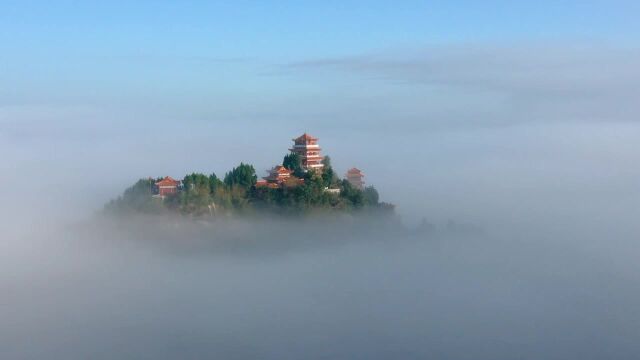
column 185, row 52
column 454, row 95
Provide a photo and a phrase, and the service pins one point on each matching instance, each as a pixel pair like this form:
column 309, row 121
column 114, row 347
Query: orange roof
column 168, row 181
column 305, row 137
column 282, row 170
column 355, row 171
column 278, row 174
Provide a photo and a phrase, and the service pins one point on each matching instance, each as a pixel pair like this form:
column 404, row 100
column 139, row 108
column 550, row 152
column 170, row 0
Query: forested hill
column 240, row 192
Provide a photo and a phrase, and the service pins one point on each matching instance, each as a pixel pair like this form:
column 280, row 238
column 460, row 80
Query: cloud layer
column 520, row 83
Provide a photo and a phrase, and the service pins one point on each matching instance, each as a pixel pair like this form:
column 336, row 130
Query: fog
column 543, row 166
column 172, row 292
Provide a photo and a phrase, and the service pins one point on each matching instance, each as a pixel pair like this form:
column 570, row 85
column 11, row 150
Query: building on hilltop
column 167, row 186
column 307, row 147
column 355, row 178
column 278, row 176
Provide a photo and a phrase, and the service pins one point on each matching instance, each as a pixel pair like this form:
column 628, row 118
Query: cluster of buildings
column 308, row 149
column 306, row 146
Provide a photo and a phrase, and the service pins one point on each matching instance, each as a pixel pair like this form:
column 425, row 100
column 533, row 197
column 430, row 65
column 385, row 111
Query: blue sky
column 286, row 29
column 45, row 42
column 459, row 85
column 88, row 51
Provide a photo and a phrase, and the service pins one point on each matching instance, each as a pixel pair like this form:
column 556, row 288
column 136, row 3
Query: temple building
column 167, row 186
column 355, row 178
column 307, row 147
column 278, row 176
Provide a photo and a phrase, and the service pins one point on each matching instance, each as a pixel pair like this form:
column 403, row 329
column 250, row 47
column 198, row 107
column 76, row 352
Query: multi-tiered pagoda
column 355, row 177
column 307, row 147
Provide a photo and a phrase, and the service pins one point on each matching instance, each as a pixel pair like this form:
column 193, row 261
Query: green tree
column 311, row 193
column 293, row 161
column 214, row 183
column 329, row 177
column 353, row 196
column 326, row 161
column 196, row 181
column 371, row 196
column 239, row 198
column 196, row 195
column 138, row 197
column 244, row 175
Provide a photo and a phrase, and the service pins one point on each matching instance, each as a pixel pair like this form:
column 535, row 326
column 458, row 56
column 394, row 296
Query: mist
column 282, row 289
column 553, row 274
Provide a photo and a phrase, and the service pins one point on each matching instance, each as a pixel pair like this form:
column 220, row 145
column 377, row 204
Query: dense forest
column 203, row 195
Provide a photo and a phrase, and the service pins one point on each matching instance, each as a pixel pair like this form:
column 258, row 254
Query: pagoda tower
column 355, row 178
column 307, row 147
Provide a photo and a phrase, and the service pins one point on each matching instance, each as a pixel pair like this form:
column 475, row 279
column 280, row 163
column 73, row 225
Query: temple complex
column 307, row 147
column 355, row 178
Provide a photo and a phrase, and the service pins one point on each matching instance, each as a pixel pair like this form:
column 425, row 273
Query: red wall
column 167, row 191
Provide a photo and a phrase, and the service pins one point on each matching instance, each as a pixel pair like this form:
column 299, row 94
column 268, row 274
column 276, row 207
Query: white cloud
column 533, row 83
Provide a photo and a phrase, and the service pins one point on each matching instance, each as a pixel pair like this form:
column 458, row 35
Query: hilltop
column 304, row 182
